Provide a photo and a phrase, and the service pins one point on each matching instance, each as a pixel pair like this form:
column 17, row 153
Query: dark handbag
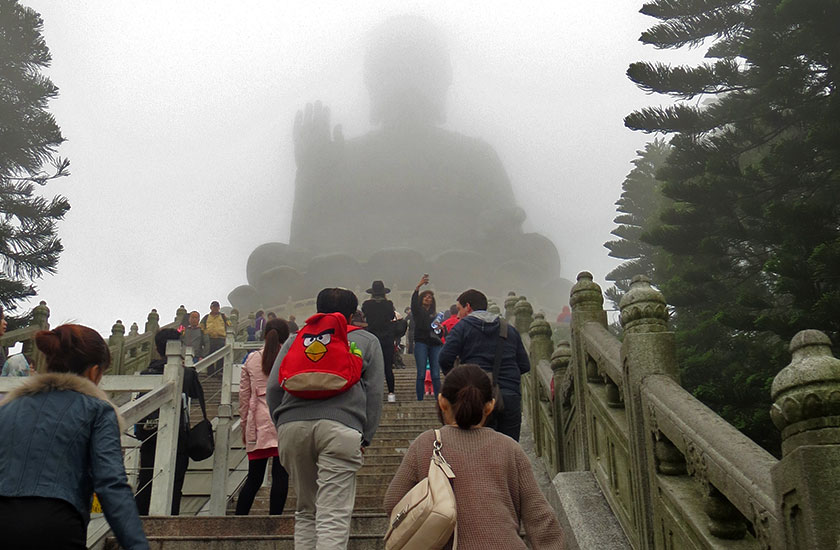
column 497, row 363
column 200, row 440
column 434, row 339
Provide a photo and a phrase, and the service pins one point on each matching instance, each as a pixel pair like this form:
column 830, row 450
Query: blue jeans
column 423, row 352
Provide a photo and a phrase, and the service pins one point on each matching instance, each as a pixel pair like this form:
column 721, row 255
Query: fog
column 178, row 119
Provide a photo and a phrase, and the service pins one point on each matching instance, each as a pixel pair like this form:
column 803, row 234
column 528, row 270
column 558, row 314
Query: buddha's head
column 407, row 72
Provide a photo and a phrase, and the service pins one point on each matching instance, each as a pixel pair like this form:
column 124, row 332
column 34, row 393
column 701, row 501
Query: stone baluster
column 134, row 330
column 806, row 408
column 523, row 315
column 647, row 349
column 116, row 342
column 494, row 308
column 559, row 365
column 540, row 349
column 587, row 305
column 152, row 322
column 169, row 421
column 510, row 304
column 40, row 319
column 180, row 314
column 540, row 333
column 218, row 499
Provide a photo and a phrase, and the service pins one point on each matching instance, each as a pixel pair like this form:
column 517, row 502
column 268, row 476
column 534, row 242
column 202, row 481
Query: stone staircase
column 401, row 423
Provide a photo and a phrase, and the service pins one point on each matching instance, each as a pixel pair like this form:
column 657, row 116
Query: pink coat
column 257, row 425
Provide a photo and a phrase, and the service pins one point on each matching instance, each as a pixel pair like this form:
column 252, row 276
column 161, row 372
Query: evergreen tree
column 29, row 137
column 638, row 208
column 753, row 231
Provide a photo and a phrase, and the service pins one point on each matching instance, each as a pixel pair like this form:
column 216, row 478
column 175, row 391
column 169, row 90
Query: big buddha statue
column 407, row 197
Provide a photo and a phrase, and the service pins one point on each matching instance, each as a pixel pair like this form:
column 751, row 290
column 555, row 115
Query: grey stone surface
column 584, row 514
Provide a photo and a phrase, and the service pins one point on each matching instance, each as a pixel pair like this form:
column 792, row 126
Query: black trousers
column 387, row 345
column 143, row 496
column 35, row 523
column 509, row 421
column 215, row 344
column 279, row 487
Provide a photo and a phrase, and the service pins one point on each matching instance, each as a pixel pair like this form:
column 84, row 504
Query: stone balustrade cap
column 812, row 362
column 586, row 290
column 643, row 307
column 809, row 387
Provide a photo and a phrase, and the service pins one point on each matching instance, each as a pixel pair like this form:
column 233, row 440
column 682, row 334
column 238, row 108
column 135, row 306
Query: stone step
column 254, row 525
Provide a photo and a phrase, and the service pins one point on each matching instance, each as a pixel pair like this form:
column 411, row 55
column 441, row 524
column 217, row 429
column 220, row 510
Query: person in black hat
column 379, row 313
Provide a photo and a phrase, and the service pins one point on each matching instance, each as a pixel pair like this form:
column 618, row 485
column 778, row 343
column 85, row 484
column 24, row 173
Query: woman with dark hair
column 426, row 343
column 60, row 443
column 258, row 432
column 494, row 485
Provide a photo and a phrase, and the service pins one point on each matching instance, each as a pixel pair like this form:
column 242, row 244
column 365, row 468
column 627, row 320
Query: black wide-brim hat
column 378, row 288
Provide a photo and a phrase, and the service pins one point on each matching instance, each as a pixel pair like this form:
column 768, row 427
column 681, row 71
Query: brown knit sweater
column 494, row 489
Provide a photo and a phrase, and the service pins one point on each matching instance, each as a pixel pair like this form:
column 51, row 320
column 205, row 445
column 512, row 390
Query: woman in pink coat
column 258, row 431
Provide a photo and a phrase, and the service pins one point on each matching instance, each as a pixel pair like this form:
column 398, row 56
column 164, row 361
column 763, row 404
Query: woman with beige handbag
column 491, row 478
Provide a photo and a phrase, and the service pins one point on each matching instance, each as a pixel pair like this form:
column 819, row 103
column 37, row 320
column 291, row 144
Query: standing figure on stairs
column 379, row 313
column 321, row 441
column 426, row 344
column 477, row 339
column 495, row 489
column 258, row 432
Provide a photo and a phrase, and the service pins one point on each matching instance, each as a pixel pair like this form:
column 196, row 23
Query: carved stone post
column 134, row 330
column 218, row 498
column 40, row 319
column 169, row 422
column 647, row 349
column 587, row 303
column 152, row 322
column 510, row 304
column 153, row 326
column 180, row 314
column 806, row 408
column 539, row 350
column 523, row 316
column 115, row 342
column 559, row 365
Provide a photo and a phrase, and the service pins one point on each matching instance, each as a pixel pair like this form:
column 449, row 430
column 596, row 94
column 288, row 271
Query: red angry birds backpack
column 320, row 362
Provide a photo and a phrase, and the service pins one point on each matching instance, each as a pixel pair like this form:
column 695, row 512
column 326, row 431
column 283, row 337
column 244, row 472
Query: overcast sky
column 178, row 119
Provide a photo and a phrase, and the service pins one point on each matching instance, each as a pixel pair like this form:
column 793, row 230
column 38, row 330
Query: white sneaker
column 392, row 398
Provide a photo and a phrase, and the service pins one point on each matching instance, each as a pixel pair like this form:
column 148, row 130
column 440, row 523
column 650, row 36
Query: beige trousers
column 322, row 458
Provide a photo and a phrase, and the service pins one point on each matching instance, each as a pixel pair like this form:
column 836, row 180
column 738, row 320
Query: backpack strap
column 500, row 344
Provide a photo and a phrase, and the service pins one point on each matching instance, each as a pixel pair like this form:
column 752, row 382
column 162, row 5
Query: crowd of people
column 310, row 400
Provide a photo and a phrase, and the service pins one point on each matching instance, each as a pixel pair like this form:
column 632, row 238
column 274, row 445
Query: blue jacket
column 473, row 340
column 60, row 438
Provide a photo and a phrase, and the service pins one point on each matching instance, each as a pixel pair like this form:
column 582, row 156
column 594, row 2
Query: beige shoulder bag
column 425, row 518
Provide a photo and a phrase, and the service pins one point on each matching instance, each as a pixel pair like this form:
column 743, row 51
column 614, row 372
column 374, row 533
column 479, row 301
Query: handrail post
column 559, row 365
column 807, row 478
column 647, row 349
column 40, row 319
column 117, row 341
column 218, row 495
column 539, row 332
column 169, row 424
column 587, row 303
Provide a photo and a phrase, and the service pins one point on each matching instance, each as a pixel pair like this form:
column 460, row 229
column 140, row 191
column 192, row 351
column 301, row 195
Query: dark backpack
column 321, row 363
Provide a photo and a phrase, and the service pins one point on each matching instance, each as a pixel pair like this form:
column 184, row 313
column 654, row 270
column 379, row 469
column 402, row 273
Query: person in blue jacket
column 474, row 340
column 60, row 443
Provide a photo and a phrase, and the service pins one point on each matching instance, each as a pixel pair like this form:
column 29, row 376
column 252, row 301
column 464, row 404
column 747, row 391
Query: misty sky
column 178, row 119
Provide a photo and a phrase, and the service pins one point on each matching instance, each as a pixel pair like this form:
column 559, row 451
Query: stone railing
column 675, row 474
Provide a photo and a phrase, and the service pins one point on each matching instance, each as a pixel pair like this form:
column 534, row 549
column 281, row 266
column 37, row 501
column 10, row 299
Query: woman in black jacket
column 426, row 343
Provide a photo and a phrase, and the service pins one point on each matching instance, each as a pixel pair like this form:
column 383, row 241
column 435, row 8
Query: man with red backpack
column 325, row 396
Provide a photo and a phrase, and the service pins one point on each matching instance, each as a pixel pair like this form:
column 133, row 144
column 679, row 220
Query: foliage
column 752, row 232
column 29, row 137
column 638, row 208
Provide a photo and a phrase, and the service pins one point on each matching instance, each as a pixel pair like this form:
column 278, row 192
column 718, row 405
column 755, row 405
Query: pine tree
column 753, row 231
column 29, row 137
column 638, row 208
